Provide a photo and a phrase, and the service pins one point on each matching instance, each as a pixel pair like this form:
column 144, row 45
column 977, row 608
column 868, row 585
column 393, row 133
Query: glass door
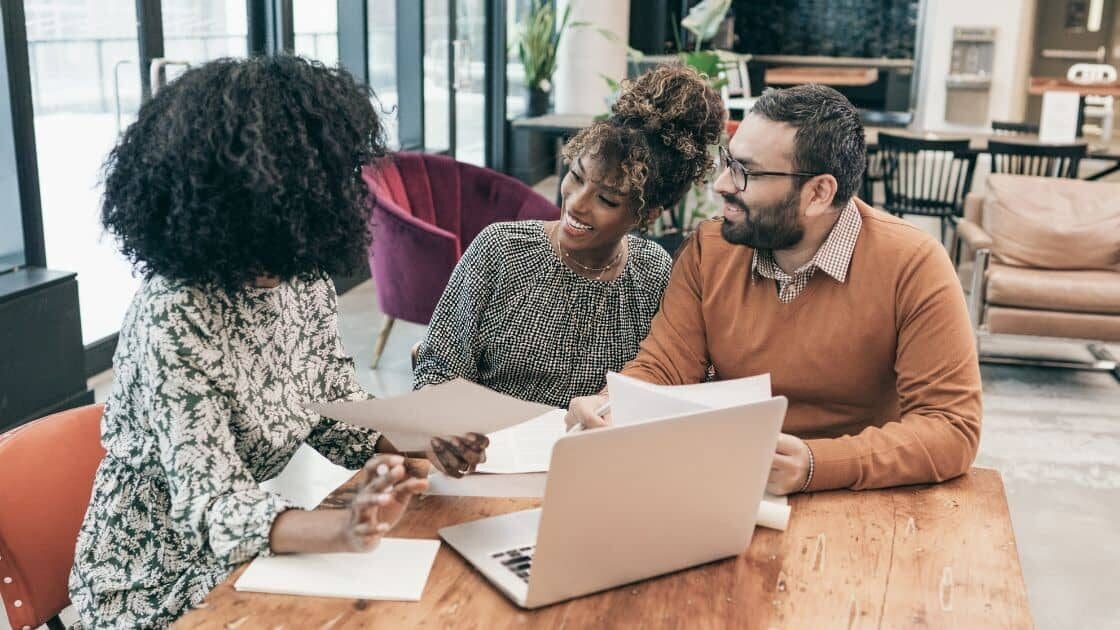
column 85, row 86
column 469, row 69
column 454, row 75
column 438, row 88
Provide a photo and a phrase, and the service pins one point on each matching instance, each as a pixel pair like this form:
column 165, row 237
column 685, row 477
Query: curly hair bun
column 674, row 102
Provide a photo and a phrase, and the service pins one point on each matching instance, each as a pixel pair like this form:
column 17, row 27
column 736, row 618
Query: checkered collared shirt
column 832, row 258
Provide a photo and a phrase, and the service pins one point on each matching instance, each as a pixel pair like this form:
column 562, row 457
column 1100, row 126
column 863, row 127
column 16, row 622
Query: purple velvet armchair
column 426, row 211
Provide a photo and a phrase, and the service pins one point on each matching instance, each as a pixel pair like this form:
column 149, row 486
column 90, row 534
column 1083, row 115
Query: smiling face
column 768, row 213
column 597, row 208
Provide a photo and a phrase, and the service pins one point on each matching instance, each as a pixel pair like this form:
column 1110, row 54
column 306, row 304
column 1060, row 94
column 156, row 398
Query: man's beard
column 768, row 227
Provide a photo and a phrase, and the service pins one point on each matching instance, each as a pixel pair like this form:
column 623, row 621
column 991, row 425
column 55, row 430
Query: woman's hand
column 384, row 491
column 456, row 456
column 453, row 456
column 582, row 411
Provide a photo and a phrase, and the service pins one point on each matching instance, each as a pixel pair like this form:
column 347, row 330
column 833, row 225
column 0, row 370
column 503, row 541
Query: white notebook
column 397, row 570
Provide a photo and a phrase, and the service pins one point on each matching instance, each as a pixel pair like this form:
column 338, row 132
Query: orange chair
column 46, row 476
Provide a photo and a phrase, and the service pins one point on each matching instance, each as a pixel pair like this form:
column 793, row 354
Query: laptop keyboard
column 519, row 561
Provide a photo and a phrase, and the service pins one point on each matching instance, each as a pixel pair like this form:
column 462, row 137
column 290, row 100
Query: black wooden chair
column 873, row 173
column 1009, row 128
column 926, row 177
column 1039, row 160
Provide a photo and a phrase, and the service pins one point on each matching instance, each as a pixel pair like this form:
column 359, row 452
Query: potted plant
column 537, row 41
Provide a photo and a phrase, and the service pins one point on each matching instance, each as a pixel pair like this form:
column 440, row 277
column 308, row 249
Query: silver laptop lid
column 626, row 503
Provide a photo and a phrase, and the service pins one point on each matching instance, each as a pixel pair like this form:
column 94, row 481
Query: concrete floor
column 1053, row 434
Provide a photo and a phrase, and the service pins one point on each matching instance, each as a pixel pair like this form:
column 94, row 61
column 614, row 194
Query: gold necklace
column 601, row 270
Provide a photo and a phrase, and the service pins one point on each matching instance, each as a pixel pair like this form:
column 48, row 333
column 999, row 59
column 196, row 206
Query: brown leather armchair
column 1040, row 257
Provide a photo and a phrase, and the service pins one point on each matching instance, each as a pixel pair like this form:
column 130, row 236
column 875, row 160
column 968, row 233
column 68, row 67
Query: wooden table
column 1041, row 85
column 939, row 556
column 826, row 75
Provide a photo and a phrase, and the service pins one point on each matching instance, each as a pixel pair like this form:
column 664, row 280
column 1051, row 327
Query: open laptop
column 623, row 504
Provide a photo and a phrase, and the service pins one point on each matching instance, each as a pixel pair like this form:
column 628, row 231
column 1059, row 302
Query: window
column 82, row 58
column 315, row 23
column 381, row 29
column 196, row 31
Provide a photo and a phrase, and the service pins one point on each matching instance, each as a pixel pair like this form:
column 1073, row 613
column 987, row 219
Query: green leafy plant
column 537, row 41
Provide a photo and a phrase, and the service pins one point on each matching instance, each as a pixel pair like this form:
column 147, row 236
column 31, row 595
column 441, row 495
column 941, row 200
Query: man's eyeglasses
column 740, row 174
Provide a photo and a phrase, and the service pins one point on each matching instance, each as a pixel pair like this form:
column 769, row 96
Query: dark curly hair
column 658, row 135
column 244, row 167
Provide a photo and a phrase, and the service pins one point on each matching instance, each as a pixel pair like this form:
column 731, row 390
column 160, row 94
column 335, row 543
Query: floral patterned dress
column 206, row 404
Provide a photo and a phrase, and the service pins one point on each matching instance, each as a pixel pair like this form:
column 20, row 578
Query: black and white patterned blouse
column 207, row 402
column 516, row 319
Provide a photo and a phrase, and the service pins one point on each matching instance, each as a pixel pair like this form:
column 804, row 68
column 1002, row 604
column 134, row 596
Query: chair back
column 735, row 71
column 46, row 477
column 873, row 173
column 415, row 247
column 925, row 177
column 1087, row 73
column 1052, row 160
column 1009, row 128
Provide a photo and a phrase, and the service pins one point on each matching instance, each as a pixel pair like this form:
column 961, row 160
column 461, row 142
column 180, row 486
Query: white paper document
column 452, row 408
column 634, row 401
column 397, row 570
column 522, row 486
column 525, row 447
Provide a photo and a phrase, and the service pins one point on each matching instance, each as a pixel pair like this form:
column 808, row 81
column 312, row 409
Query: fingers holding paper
column 584, row 411
column 790, row 467
column 456, row 456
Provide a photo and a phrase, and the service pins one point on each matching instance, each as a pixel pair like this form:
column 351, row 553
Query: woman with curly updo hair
column 542, row 310
column 235, row 193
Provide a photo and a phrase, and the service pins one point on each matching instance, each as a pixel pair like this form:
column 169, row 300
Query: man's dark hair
column 829, row 135
column 244, row 167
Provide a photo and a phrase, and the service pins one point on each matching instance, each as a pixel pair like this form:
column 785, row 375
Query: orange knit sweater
column 880, row 371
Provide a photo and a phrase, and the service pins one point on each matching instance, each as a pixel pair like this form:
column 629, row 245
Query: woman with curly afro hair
column 235, row 193
column 542, row 310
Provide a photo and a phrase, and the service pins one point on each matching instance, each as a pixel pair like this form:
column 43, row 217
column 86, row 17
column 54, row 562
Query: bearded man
column 858, row 316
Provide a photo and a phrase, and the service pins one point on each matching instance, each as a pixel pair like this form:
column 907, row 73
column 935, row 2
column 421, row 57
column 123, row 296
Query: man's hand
column 790, row 468
column 582, row 411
